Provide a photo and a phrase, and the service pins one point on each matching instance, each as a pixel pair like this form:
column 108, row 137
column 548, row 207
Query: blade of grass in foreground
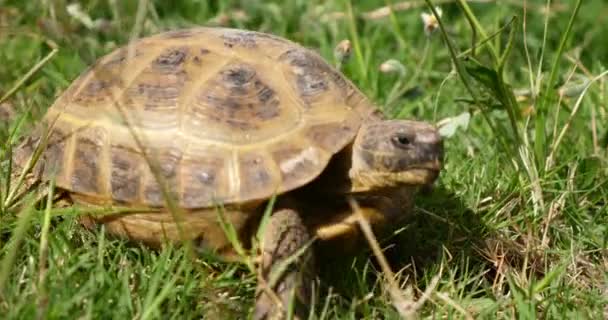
column 540, row 139
column 12, row 246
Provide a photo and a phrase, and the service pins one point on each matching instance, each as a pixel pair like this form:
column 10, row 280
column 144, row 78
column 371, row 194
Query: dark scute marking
column 106, row 74
column 300, row 170
column 272, row 37
column 238, row 76
column 338, row 79
column 96, row 85
column 157, row 91
column 254, row 174
column 201, row 181
column 265, row 94
column 330, row 135
column 197, row 58
column 311, row 73
column 125, row 176
column 243, row 39
column 178, row 34
column 121, row 56
column 238, row 98
column 87, row 158
column 54, row 154
column 158, row 95
column 311, row 84
column 97, row 90
column 160, row 85
column 168, row 164
column 170, row 59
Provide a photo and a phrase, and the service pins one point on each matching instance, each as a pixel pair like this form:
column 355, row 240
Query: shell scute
column 167, row 166
column 239, row 38
column 256, row 176
column 125, row 176
column 235, row 99
column 170, row 59
column 88, row 163
column 55, row 154
column 298, row 164
column 205, row 181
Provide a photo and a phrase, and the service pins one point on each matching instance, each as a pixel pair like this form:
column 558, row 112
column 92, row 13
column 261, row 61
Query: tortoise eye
column 401, row 140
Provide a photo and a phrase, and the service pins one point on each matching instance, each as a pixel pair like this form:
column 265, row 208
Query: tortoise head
column 394, row 153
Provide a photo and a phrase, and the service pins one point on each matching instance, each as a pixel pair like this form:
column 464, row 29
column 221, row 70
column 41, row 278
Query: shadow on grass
column 441, row 226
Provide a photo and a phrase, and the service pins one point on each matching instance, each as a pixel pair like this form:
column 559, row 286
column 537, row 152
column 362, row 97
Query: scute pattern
column 104, row 82
column 237, row 98
column 54, row 155
column 233, row 116
column 256, row 176
column 313, row 77
column 169, row 161
column 158, row 88
column 328, row 135
column 203, row 181
column 169, row 60
column 88, row 161
column 125, row 176
column 238, row 38
column 297, row 164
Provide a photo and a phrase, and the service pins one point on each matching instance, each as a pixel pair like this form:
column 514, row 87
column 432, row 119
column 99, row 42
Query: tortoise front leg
column 283, row 237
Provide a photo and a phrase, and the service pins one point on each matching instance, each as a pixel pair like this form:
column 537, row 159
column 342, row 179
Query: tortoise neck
column 335, row 179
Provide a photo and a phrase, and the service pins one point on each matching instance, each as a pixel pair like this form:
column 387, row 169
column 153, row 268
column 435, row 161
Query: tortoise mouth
column 416, row 176
column 424, row 173
column 419, row 175
column 434, row 165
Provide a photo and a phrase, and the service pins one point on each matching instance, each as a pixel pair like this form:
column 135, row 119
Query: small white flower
column 343, row 51
column 430, row 21
column 392, row 66
column 76, row 12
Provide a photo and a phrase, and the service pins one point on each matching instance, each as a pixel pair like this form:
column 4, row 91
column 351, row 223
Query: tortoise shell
column 229, row 116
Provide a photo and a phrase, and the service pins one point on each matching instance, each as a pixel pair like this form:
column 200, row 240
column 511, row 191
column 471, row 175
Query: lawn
column 516, row 226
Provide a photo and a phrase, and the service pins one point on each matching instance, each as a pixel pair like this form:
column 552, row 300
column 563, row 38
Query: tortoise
column 202, row 118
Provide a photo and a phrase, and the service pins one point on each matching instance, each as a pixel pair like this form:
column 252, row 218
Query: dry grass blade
column 29, row 74
column 454, row 305
column 385, row 11
column 550, row 159
column 406, row 306
column 43, row 298
column 557, row 206
column 12, row 247
column 12, row 192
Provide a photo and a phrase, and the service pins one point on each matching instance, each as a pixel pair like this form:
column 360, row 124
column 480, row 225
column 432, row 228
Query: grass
column 516, row 228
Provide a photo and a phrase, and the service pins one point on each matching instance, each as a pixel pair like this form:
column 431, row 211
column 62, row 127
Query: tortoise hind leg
column 284, row 235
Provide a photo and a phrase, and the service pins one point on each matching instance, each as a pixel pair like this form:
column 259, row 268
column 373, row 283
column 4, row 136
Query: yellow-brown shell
column 230, row 116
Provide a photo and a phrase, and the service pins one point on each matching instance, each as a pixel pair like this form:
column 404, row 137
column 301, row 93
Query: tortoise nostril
column 428, row 137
